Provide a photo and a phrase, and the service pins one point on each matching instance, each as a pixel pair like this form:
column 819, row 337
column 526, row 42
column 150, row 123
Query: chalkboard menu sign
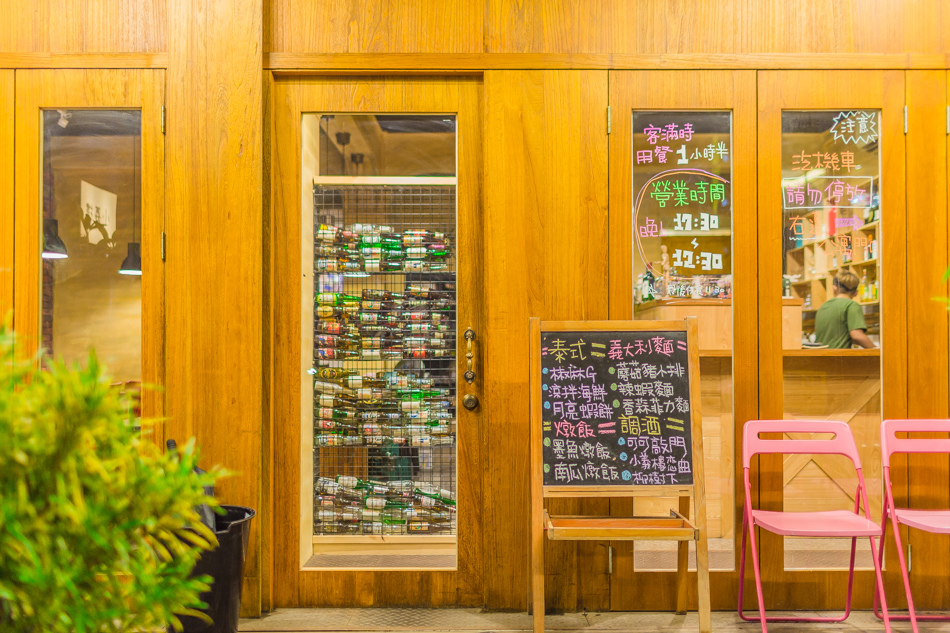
column 615, row 408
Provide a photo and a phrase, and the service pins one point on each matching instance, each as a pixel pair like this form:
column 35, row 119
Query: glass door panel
column 832, row 223
column 90, row 212
column 683, row 243
column 682, row 266
column 832, row 236
column 379, row 315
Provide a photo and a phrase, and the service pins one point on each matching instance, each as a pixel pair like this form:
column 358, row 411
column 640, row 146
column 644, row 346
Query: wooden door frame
column 7, row 107
column 732, row 90
column 116, row 89
column 287, row 584
column 820, row 90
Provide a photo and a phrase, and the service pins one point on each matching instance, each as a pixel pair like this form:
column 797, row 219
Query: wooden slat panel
column 6, row 192
column 292, row 587
column 780, row 90
column 545, row 236
column 375, row 26
column 213, row 266
column 927, row 331
column 80, row 26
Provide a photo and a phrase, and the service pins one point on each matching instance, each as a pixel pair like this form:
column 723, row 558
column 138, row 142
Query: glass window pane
column 91, row 208
column 379, row 322
column 831, row 296
column 682, row 264
column 386, row 145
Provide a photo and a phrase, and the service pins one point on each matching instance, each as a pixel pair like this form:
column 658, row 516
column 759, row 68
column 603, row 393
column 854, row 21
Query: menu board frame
column 676, row 527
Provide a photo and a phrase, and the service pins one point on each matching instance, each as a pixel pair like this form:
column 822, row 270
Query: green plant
column 98, row 530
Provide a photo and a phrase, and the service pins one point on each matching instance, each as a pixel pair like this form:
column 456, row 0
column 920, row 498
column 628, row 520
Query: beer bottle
column 417, row 252
column 330, row 353
column 381, row 266
column 336, row 299
column 326, row 233
column 335, row 413
column 438, row 251
column 377, row 294
column 326, row 265
column 344, row 377
column 337, row 312
column 329, row 401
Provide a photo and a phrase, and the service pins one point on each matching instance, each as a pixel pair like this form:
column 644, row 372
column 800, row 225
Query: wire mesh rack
column 384, row 371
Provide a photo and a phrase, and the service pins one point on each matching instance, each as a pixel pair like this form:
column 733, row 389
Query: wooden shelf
column 873, row 260
column 869, row 226
column 869, row 303
column 832, row 352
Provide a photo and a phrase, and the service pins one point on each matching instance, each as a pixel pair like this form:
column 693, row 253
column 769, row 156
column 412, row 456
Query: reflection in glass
column 682, row 265
column 91, row 210
column 386, row 144
column 831, row 296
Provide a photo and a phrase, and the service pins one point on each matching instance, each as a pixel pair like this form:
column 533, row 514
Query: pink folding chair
column 933, row 521
column 832, row 523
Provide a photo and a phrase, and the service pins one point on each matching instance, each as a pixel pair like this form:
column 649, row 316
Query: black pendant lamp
column 132, row 264
column 53, row 247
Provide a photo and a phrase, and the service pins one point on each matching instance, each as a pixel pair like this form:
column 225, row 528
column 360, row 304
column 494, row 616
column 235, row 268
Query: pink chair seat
column 828, row 523
column 934, row 521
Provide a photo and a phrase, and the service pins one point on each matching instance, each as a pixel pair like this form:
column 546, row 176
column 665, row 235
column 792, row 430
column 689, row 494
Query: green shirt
column 835, row 320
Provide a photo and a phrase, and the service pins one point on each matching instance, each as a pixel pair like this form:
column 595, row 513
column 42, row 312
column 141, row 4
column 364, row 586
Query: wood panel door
column 677, row 127
column 309, row 160
column 832, row 232
column 92, row 137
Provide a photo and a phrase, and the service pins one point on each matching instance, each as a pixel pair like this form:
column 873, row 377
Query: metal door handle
column 470, row 401
column 469, row 374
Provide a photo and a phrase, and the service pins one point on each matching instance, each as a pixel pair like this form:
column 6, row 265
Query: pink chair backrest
column 841, row 444
column 891, row 444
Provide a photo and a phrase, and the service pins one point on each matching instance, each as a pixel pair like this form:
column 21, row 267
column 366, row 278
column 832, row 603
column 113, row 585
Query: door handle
column 469, row 374
column 470, row 401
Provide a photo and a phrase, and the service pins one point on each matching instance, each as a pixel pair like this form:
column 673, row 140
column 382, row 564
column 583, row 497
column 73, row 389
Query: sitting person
column 840, row 321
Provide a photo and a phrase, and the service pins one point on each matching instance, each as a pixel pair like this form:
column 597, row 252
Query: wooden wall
column 545, row 255
column 214, row 372
column 543, row 186
column 83, row 26
column 607, row 26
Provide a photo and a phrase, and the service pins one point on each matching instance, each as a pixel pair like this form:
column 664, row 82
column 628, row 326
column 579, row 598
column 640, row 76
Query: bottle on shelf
column 863, row 287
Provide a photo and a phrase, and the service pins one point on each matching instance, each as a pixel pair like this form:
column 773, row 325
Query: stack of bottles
column 348, row 505
column 371, row 248
column 384, row 325
column 382, row 409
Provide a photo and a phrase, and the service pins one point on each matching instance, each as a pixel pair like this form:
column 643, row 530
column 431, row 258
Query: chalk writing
column 621, row 418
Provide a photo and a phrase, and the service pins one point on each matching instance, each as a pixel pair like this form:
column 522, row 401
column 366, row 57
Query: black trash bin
column 225, row 565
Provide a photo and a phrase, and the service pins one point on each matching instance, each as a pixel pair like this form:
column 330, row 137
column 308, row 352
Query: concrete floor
column 434, row 620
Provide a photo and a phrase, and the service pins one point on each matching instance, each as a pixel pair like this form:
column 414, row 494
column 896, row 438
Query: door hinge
column 910, row 558
column 163, row 245
column 905, row 119
column 608, row 119
column 163, row 119
column 610, row 560
column 948, row 119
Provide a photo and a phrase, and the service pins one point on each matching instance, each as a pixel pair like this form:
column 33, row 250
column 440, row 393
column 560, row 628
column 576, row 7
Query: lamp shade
column 132, row 264
column 53, row 247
